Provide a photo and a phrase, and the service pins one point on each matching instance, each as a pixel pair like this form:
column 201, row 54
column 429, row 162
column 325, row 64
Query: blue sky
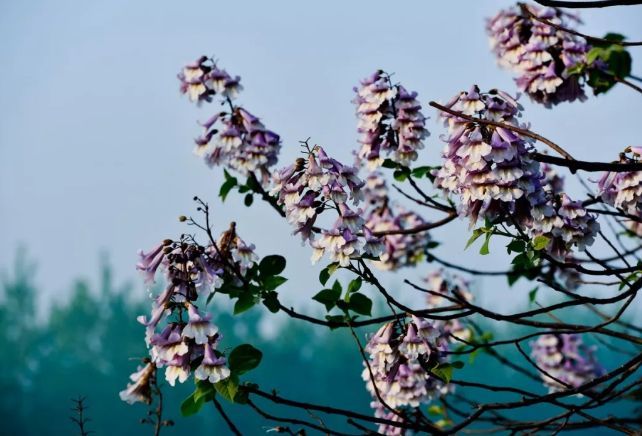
column 96, row 142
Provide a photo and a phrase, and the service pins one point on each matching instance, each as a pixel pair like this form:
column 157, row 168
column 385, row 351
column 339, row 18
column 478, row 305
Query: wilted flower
column 140, row 390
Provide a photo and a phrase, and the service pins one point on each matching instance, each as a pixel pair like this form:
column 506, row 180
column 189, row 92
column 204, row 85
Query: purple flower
column 566, row 359
column 540, row 54
column 150, row 262
column 177, row 369
column 490, row 169
column 212, row 368
column 397, row 357
column 390, row 121
column 244, row 255
column 169, row 344
column 235, row 138
column 199, row 327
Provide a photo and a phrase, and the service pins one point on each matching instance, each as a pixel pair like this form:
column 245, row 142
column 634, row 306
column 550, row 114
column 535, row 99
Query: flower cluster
column 566, row 223
column 623, row 190
column 490, row 169
column 308, row 188
column 234, row 138
column 390, row 121
column 538, row 52
column 202, row 79
column 383, row 215
column 553, row 185
column 565, row 358
column 181, row 337
column 396, row 370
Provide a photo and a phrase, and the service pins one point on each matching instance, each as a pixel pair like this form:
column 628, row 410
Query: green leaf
column 326, row 272
column 249, row 198
column 476, row 234
column 401, row 174
column 420, row 172
column 335, row 318
column 328, row 297
column 436, row 410
column 619, row 62
column 578, row 69
column 444, row 372
column 337, row 287
column 540, row 242
column 458, row 364
column 253, row 184
column 228, row 387
column 190, row 406
column 484, row 250
column 594, row 54
column 204, row 389
column 600, row 81
column 432, row 244
column 271, row 301
column 244, row 358
column 272, row 265
column 361, row 304
column 245, row 302
column 203, row 393
column 355, row 285
column 516, row 245
column 532, row 294
column 226, row 187
column 389, row 163
column 273, row 282
column 443, row 423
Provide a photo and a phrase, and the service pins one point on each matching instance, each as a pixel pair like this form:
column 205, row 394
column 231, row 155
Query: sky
column 96, row 141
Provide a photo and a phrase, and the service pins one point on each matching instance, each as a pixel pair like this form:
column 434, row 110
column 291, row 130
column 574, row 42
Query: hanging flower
column 234, row 138
column 140, row 389
column 491, row 171
column 540, row 54
column 212, row 368
column 398, row 356
column 566, row 359
column 176, row 331
column 390, row 121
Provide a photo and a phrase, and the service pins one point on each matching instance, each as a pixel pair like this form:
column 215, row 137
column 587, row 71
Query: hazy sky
column 96, row 142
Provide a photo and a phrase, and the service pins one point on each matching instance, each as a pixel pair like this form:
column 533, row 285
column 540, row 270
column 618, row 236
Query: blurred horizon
column 88, row 346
